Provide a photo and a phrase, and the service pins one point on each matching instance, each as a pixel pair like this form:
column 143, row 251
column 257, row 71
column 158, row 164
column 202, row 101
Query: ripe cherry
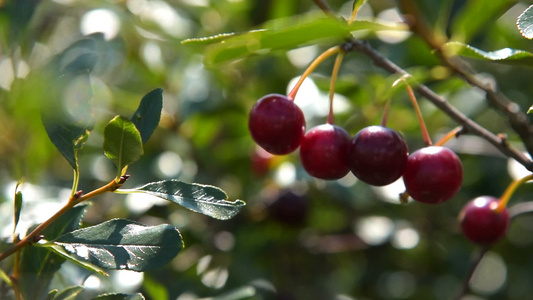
column 378, row 155
column 289, row 208
column 481, row 222
column 433, row 174
column 276, row 124
column 324, row 152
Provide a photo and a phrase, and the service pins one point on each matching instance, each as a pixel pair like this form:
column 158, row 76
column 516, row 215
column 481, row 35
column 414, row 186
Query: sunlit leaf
column 530, row 110
column 37, row 264
column 147, row 116
column 357, row 4
column 68, row 256
column 525, row 23
column 204, row 199
column 121, row 244
column 122, row 142
column 17, row 206
column 475, row 16
column 120, row 296
column 505, row 55
column 52, row 294
column 283, row 35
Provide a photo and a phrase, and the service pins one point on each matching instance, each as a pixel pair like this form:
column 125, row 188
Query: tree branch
column 475, row 262
column 469, row 125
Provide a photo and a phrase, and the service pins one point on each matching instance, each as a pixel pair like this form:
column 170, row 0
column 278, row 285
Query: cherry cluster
column 376, row 155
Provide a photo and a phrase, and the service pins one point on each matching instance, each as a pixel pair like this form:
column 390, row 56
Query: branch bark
column 469, row 125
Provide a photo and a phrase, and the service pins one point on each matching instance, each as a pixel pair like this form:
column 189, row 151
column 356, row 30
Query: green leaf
column 525, row 23
column 204, row 199
column 17, row 206
column 154, row 289
column 67, row 118
column 52, row 294
column 357, row 4
column 69, row 293
column 66, row 255
column 282, row 35
column 505, row 56
column 475, row 17
column 122, row 142
column 5, row 278
column 120, row 244
column 147, row 116
column 120, row 296
column 38, row 265
column 530, row 110
column 66, row 110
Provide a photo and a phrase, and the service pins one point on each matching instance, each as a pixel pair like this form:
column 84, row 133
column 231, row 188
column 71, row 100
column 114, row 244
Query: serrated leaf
column 147, row 116
column 525, row 23
column 505, row 56
column 122, row 142
column 475, row 16
column 205, row 199
column 120, row 244
column 283, row 35
column 38, row 265
column 69, row 293
column 120, row 296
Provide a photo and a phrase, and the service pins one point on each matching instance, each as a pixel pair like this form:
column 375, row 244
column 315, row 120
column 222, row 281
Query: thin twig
column 324, row 6
column 475, row 262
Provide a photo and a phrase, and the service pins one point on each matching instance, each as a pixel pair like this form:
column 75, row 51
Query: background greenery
column 324, row 240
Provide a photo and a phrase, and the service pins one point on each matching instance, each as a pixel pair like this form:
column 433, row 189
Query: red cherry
column 481, row 223
column 324, row 152
column 433, row 174
column 276, row 124
column 378, row 155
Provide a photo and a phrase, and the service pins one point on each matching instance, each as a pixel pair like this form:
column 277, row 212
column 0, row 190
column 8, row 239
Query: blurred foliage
column 325, row 240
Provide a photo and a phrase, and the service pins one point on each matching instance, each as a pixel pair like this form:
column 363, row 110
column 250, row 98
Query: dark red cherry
column 378, row 155
column 324, row 152
column 433, row 174
column 276, row 124
column 481, row 223
column 289, row 208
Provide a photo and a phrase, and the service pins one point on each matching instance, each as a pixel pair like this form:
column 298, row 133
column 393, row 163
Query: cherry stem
column 354, row 13
column 450, row 135
column 504, row 199
column 311, row 68
column 425, row 134
column 334, row 73
column 385, row 113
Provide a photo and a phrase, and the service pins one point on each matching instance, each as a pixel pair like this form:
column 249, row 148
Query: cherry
column 289, row 208
column 481, row 223
column 324, row 151
column 378, row 155
column 433, row 174
column 261, row 161
column 276, row 124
